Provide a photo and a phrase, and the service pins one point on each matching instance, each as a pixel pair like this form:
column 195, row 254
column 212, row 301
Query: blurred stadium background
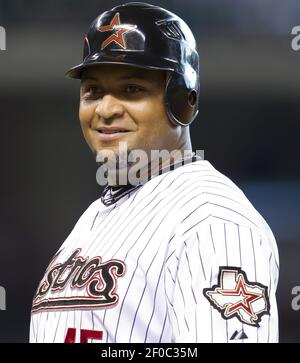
column 248, row 126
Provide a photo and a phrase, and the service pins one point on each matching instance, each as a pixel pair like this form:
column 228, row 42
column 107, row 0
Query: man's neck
column 150, row 169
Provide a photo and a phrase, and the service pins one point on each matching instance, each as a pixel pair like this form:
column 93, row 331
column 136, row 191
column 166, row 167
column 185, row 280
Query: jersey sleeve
column 220, row 285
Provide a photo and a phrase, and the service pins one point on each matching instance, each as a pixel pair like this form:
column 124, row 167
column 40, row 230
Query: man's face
column 125, row 104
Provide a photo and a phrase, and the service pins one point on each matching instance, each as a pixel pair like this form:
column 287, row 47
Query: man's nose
column 109, row 107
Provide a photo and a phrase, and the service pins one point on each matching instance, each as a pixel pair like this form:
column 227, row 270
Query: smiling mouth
column 111, row 131
column 107, row 135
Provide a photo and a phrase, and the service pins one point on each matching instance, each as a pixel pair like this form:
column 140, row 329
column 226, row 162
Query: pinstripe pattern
column 226, row 256
column 172, row 235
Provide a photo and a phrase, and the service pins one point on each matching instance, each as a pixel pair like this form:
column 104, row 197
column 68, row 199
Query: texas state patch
column 235, row 296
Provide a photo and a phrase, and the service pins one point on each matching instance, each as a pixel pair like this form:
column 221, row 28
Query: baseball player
column 181, row 255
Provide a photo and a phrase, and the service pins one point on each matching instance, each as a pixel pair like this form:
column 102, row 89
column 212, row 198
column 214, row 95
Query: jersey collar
column 112, row 193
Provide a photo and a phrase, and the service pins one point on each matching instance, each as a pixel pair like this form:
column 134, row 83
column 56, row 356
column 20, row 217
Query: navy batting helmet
column 147, row 36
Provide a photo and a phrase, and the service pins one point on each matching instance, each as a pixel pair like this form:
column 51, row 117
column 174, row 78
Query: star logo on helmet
column 119, row 30
column 235, row 296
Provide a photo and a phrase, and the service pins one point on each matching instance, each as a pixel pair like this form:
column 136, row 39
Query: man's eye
column 91, row 91
column 133, row 89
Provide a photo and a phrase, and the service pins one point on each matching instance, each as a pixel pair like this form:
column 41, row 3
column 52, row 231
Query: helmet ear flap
column 181, row 101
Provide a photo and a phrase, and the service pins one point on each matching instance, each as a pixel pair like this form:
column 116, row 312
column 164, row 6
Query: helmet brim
column 139, row 60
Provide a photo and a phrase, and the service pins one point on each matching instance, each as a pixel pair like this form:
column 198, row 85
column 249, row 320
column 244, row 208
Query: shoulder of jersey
column 205, row 191
column 199, row 178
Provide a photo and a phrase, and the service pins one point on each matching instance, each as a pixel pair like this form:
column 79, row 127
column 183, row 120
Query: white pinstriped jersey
column 183, row 258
